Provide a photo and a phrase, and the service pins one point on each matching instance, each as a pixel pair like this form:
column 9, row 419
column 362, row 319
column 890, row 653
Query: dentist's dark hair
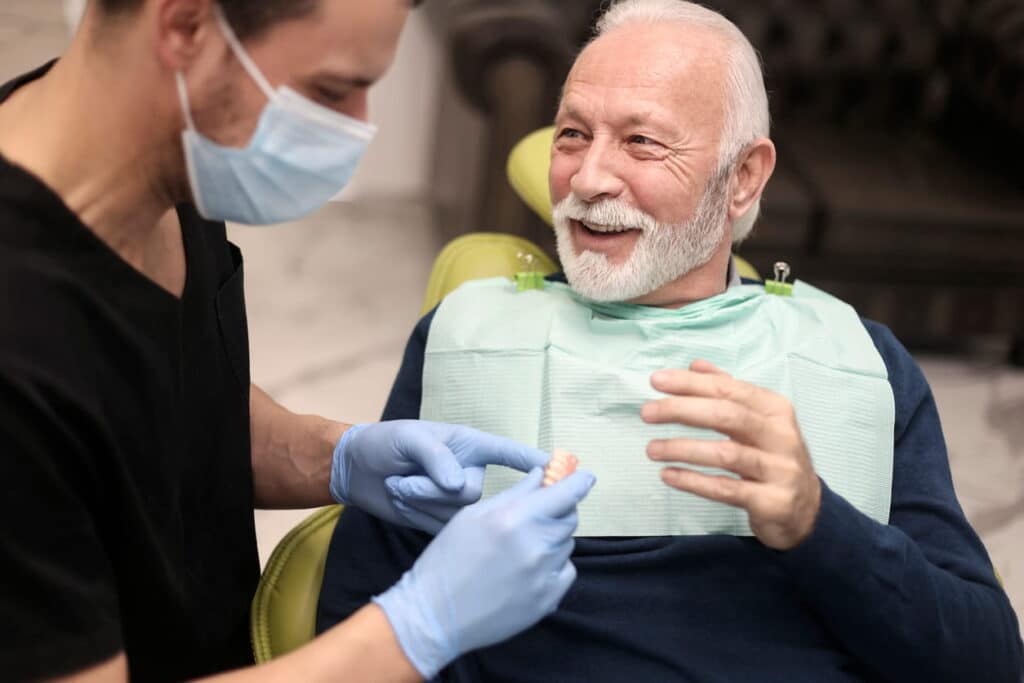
column 248, row 18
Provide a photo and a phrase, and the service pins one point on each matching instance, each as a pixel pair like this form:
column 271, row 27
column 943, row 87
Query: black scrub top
column 126, row 491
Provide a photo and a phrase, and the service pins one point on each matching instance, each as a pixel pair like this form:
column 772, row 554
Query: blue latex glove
column 444, row 465
column 496, row 569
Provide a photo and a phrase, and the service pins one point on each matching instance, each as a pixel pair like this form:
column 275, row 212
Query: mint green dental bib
column 550, row 369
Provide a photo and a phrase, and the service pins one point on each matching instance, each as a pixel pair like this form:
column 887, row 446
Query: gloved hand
column 497, row 568
column 444, row 466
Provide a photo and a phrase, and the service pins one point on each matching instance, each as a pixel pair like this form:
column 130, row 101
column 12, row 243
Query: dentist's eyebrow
column 343, row 80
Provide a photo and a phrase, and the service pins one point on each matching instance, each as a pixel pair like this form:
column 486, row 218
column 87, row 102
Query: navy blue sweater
column 914, row 600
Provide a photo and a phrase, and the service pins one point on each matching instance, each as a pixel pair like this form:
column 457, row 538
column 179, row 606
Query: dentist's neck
column 92, row 130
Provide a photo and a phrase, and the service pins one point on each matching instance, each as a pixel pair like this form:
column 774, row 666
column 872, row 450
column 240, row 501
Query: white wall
column 405, row 105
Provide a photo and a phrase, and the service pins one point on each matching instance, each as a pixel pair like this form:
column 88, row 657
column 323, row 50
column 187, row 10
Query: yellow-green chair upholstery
column 479, row 255
column 528, row 166
column 284, row 610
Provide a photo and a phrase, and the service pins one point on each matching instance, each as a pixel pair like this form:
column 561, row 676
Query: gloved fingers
column 419, row 445
column 476, row 448
column 559, row 529
column 419, row 519
column 418, row 489
column 560, row 553
column 563, row 582
column 561, row 498
column 522, row 488
column 439, row 510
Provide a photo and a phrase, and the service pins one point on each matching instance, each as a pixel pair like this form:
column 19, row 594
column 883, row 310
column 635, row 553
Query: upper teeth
column 606, row 228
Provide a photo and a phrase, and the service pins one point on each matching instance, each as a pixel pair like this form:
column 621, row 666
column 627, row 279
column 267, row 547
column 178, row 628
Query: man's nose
column 598, row 176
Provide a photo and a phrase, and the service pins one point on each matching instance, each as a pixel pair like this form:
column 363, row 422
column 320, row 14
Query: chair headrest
column 528, row 166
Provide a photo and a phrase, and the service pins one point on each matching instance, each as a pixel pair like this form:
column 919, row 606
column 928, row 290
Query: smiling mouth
column 604, row 230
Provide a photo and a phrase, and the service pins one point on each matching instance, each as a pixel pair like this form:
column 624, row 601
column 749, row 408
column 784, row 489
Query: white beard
column 663, row 252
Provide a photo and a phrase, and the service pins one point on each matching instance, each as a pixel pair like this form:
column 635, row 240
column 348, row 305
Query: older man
column 820, row 539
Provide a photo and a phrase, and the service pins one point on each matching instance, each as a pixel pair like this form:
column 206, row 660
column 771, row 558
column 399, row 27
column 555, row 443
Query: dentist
column 134, row 447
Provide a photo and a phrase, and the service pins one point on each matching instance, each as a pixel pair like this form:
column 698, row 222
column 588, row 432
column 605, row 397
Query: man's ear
column 753, row 170
column 183, row 27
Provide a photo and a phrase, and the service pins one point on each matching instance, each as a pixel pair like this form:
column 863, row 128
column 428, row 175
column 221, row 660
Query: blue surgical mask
column 301, row 155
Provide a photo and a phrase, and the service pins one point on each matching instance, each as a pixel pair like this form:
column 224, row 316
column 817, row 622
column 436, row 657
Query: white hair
column 746, row 117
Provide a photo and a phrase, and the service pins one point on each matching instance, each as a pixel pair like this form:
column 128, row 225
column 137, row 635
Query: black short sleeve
column 58, row 599
column 125, row 461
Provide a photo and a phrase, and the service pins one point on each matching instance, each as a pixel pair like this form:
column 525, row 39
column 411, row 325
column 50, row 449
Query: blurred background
column 900, row 130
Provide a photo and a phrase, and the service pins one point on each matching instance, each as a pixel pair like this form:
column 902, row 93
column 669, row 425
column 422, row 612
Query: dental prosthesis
column 562, row 464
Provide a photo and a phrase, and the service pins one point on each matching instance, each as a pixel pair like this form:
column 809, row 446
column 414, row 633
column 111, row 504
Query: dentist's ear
column 183, row 28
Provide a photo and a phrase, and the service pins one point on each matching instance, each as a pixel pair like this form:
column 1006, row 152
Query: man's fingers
column 725, row 417
column 476, row 449
column 707, row 367
column 705, row 380
column 559, row 499
column 723, row 489
column 749, row 463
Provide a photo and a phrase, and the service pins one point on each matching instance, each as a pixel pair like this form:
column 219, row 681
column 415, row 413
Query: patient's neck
column 701, row 283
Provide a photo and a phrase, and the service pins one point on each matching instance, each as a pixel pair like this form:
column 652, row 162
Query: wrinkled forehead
column 674, row 72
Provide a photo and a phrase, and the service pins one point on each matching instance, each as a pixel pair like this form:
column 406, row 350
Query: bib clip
column 778, row 285
column 528, row 278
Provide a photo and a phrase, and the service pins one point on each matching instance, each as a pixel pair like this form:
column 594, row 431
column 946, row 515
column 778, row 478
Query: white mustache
column 608, row 213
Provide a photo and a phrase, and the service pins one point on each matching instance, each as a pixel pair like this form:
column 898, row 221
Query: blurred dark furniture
column 900, row 129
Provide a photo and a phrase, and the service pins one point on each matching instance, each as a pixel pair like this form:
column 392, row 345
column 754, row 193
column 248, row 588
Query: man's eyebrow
column 635, row 119
column 569, row 111
column 655, row 121
column 646, row 117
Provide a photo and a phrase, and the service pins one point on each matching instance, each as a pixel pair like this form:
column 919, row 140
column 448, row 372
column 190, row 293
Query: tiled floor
column 332, row 299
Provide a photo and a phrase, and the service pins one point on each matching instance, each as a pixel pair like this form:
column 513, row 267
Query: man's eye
column 641, row 140
column 570, row 133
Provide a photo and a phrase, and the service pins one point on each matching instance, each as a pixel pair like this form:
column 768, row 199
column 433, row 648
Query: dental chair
column 283, row 615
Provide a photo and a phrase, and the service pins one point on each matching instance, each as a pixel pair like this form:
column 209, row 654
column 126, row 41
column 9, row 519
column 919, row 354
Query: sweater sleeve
column 916, row 599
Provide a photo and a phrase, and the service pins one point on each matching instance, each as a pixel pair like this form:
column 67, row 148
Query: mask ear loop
column 243, row 58
column 186, row 107
column 241, row 54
